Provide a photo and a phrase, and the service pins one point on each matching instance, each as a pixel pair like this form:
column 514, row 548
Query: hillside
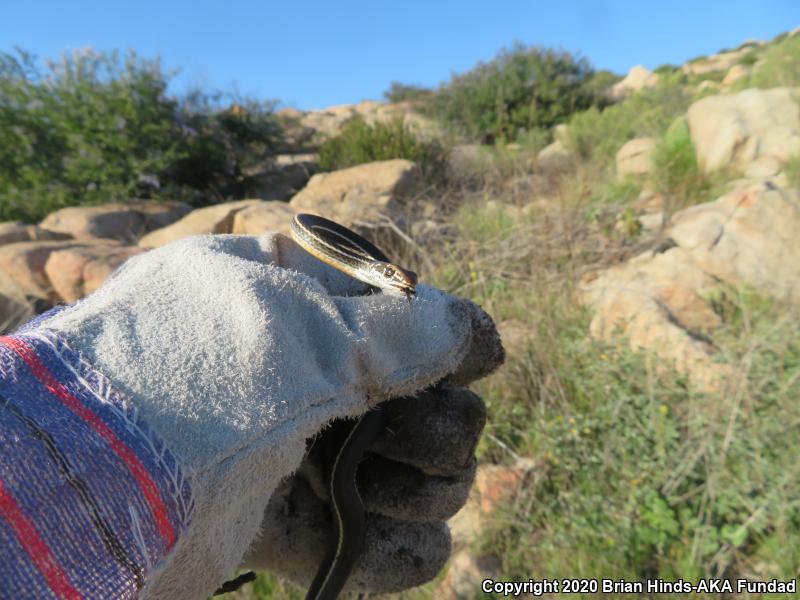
column 638, row 247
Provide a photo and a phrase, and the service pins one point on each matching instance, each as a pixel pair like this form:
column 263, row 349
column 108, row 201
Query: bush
column 636, row 474
column 96, row 127
column 521, row 89
column 358, row 143
column 403, row 92
column 597, row 134
column 676, row 172
column 781, row 66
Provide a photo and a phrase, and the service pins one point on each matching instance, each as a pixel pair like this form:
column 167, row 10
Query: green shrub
column 521, row 89
column 358, row 143
column 597, row 134
column 403, row 92
column 96, row 127
column 666, row 69
column 676, row 172
column 781, row 66
column 792, row 170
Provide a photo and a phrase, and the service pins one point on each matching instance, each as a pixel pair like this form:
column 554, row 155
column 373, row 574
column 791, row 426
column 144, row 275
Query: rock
column 124, row 222
column 734, row 130
column 634, row 158
column 284, row 175
column 15, row 307
column 735, row 73
column 657, row 300
column 78, row 271
column 362, row 192
column 17, row 231
column 637, row 79
column 747, row 237
column 649, row 201
column 716, row 62
column 328, row 122
column 765, row 166
column 644, row 300
column 555, row 158
column 24, row 262
column 651, row 221
column 465, row 574
column 260, row 218
column 708, row 86
column 211, row 219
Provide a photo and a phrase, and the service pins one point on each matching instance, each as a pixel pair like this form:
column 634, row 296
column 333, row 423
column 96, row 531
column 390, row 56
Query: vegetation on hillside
column 360, row 142
column 519, row 90
column 638, row 474
column 97, row 127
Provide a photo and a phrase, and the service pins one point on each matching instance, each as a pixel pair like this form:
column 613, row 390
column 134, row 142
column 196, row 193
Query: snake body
column 348, row 252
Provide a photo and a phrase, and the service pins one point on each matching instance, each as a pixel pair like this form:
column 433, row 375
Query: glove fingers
column 403, row 492
column 397, row 554
column 436, row 431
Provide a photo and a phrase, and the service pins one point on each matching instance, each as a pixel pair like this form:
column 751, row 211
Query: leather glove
column 235, row 351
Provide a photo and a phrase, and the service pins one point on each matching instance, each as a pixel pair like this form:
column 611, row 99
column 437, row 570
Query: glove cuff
column 91, row 499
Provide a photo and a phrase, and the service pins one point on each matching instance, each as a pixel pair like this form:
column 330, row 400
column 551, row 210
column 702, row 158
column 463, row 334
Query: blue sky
column 314, row 54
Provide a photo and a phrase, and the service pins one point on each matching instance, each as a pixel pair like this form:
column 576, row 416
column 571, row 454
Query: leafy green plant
column 676, row 172
column 781, row 65
column 359, row 142
column 597, row 134
column 95, row 127
column 404, row 92
column 520, row 89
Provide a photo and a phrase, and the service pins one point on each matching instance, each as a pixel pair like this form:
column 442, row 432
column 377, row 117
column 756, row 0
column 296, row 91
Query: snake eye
column 388, row 272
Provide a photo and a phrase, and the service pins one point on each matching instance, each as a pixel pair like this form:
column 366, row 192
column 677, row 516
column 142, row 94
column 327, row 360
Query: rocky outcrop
column 17, row 231
column 716, row 62
column 283, row 176
column 363, row 192
column 24, row 263
column 658, row 300
column 735, row 130
column 494, row 486
column 634, row 158
column 735, row 73
column 637, row 79
column 117, row 221
column 313, row 127
column 263, row 217
column 211, row 219
column 77, row 271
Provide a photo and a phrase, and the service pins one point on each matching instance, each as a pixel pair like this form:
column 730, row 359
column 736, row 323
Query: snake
column 350, row 253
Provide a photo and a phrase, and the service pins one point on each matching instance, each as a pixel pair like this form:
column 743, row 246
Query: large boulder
column 284, row 175
column 747, row 237
column 260, row 218
column 211, row 219
column 635, row 157
column 125, row 222
column 363, row 192
column 24, row 263
column 637, row 79
column 77, row 271
column 658, row 301
column 737, row 129
column 314, row 127
column 716, row 62
column 16, row 307
column 17, row 231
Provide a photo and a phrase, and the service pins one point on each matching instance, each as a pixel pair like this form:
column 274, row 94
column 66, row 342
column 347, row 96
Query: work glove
column 234, row 352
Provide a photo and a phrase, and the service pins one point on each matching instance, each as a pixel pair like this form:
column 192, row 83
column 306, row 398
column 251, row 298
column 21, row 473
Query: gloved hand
column 236, row 350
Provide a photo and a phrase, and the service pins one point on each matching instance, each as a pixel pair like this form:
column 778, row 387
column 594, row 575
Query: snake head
column 393, row 278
